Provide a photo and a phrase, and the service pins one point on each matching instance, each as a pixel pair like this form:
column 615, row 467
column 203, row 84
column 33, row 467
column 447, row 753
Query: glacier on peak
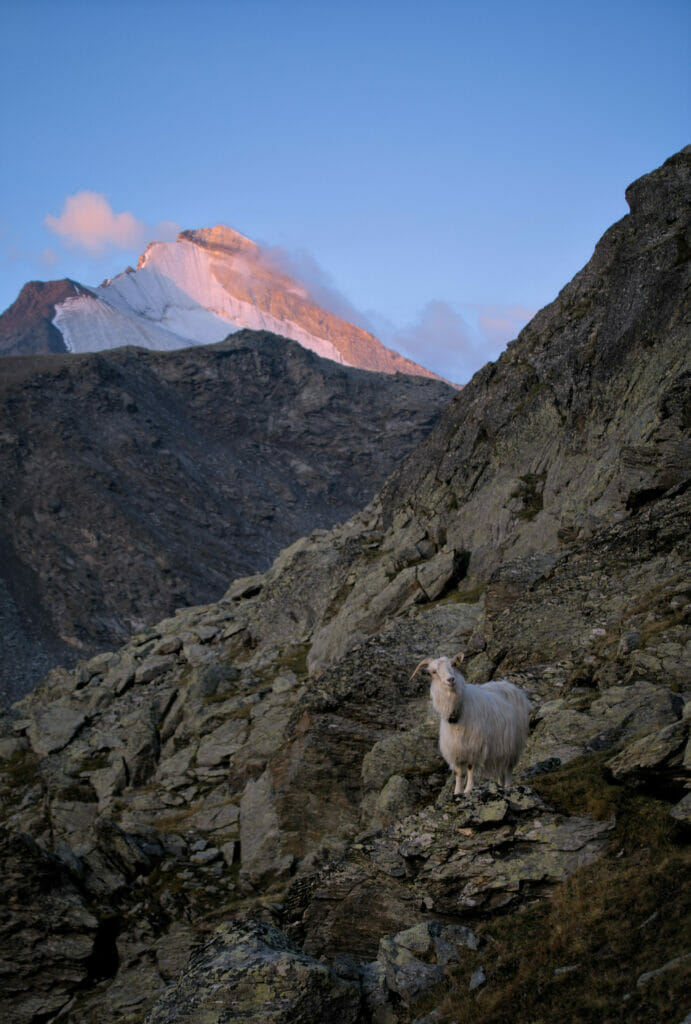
column 174, row 299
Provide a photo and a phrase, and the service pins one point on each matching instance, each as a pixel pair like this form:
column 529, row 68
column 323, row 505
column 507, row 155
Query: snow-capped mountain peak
column 207, row 284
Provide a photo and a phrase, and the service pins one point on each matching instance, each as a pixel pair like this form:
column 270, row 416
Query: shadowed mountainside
column 134, row 482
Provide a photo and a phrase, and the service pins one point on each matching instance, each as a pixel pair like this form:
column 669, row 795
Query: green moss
column 176, row 821
column 584, row 787
column 294, row 659
column 94, row 763
column 652, row 630
column 607, row 925
column 19, row 773
column 529, row 492
column 470, row 596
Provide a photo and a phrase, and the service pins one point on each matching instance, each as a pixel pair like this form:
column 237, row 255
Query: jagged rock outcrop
column 135, row 482
column 267, row 762
column 451, row 860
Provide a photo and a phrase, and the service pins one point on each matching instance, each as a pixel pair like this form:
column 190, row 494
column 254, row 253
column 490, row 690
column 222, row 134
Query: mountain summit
column 196, row 290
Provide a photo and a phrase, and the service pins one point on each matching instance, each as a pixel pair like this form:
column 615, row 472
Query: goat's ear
column 458, row 658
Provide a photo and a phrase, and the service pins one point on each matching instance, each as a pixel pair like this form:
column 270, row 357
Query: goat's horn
column 425, row 661
column 458, row 658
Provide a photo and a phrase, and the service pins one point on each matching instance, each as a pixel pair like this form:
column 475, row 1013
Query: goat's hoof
column 458, row 796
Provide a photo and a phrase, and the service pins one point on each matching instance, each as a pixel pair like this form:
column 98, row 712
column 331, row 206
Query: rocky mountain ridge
column 26, row 327
column 242, row 812
column 134, row 482
column 194, row 291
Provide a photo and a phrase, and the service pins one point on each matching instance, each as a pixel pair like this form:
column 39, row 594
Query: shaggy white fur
column 481, row 727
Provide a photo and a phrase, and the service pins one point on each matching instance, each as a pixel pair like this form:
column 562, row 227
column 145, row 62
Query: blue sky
column 436, row 170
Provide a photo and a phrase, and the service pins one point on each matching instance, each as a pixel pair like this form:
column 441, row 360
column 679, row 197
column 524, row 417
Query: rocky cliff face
column 136, row 482
column 250, row 791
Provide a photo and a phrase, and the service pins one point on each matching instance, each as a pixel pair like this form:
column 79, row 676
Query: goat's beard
column 446, row 701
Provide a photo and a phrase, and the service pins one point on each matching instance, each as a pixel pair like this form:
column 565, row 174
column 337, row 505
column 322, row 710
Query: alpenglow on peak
column 207, row 284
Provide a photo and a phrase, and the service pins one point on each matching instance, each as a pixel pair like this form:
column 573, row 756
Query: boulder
column 410, row 964
column 253, row 973
column 663, row 755
column 53, row 726
column 566, row 728
column 217, row 746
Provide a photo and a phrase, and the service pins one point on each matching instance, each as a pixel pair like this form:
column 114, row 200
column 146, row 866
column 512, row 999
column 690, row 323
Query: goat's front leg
column 459, row 781
column 469, row 780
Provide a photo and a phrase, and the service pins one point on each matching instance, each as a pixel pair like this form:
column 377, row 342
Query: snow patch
column 88, row 324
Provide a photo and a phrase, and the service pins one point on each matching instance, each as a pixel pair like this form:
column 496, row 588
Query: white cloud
column 317, row 283
column 455, row 341
column 440, row 339
column 88, row 222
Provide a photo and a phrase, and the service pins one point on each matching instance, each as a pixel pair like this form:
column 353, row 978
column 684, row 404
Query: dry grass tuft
column 575, row 958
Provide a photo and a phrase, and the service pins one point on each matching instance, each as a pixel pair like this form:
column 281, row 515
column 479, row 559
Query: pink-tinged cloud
column 439, row 331
column 439, row 339
column 455, row 341
column 88, row 221
column 316, row 283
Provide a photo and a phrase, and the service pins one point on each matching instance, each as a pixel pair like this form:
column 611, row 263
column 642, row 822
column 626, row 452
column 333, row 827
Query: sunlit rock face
column 194, row 291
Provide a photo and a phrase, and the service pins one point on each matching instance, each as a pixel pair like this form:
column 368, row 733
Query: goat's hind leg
column 469, row 780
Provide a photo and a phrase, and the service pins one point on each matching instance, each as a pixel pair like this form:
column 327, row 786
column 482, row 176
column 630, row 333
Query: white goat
column 482, row 727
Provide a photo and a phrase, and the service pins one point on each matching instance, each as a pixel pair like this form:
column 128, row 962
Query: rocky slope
column 193, row 291
column 242, row 812
column 134, row 482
